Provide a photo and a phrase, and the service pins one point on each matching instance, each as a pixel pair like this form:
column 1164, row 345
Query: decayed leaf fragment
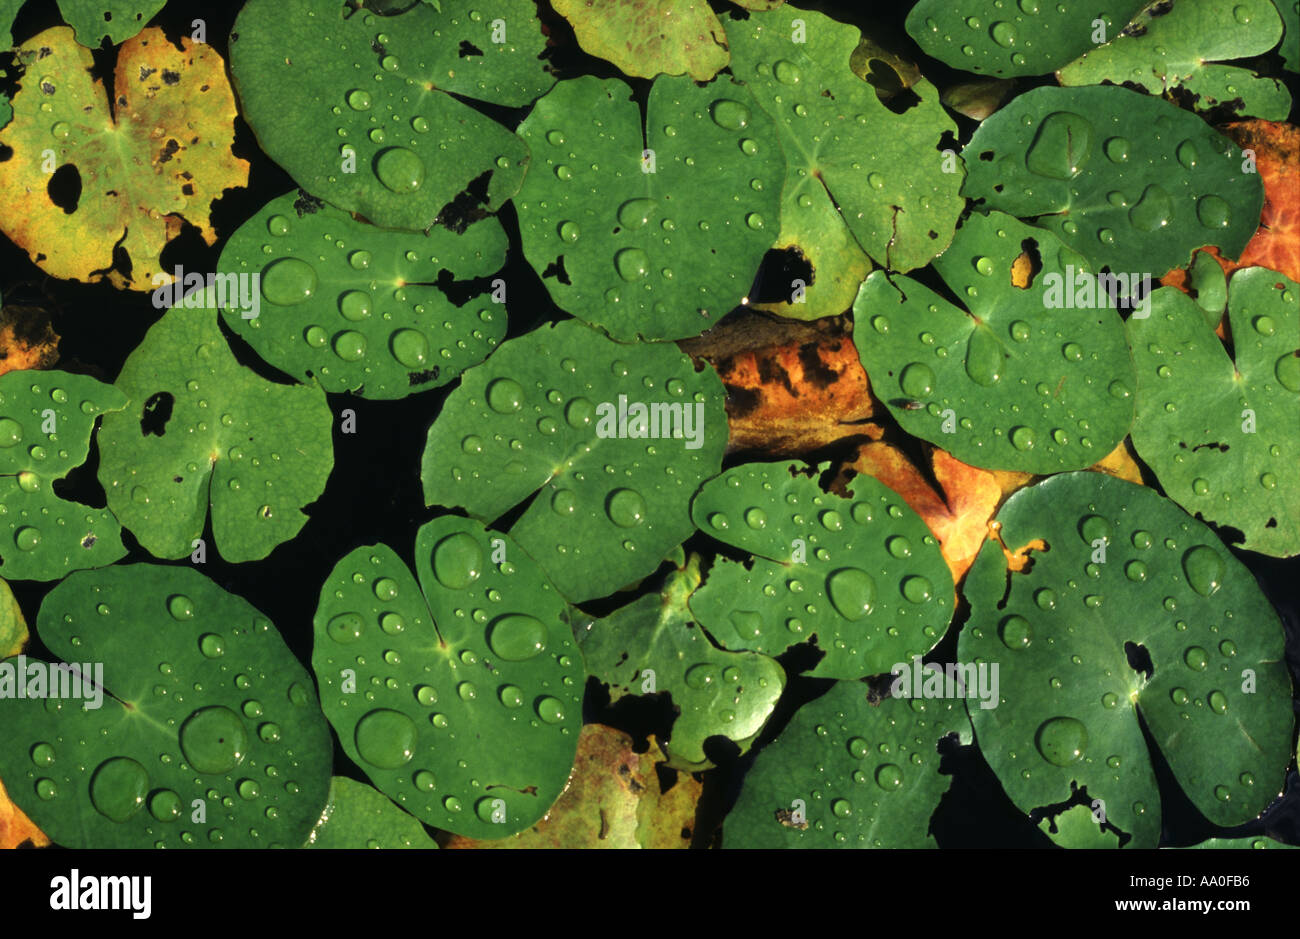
column 957, row 512
column 137, row 167
column 1276, row 244
column 613, row 800
column 26, row 339
column 791, row 387
column 16, row 828
column 647, row 37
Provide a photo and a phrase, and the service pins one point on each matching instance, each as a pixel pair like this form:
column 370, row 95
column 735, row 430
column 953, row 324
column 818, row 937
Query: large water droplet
column 1152, row 211
column 636, row 213
column 457, row 561
column 984, row 357
column 505, row 396
column 1204, row 569
column 852, row 592
column 400, row 170
column 1214, row 212
column 1061, row 147
column 517, row 637
column 625, row 508
column 410, row 348
column 288, row 281
column 729, row 115
column 916, row 380
column 213, row 740
column 632, row 264
column 1062, row 740
column 118, row 788
column 386, row 738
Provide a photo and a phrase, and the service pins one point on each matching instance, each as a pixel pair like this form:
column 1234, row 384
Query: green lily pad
column 1126, row 577
column 1289, row 47
column 1119, row 176
column 862, row 575
column 1220, row 433
column 646, row 38
column 1256, row 843
column 207, row 731
column 659, row 254
column 325, row 88
column 1079, row 827
column 459, row 695
column 552, row 414
column 357, row 307
column 1179, row 49
column 867, row 776
column 46, row 419
column 357, row 816
column 13, row 627
column 118, row 20
column 860, row 179
column 1021, row 381
column 200, row 429
column 655, row 639
column 1032, row 37
column 8, row 10
column 1209, row 286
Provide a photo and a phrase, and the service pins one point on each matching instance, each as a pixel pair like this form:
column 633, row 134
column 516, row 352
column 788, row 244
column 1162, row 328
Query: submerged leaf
column 154, row 158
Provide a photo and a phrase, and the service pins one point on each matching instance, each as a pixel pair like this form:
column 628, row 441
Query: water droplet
column 632, row 264
column 1214, row 212
column 350, row 345
column 1004, row 34
column 1045, row 597
column 505, row 396
column 1061, row 147
column 359, row 100
column 636, row 213
column 118, row 788
column 1196, row 658
column 852, row 592
column 916, row 380
column 1152, row 211
column 165, row 805
column 386, row 738
column 1187, row 154
column 213, row 740
column 1204, row 569
column 550, row 710
column 1287, row 371
column 1218, row 702
column 889, row 777
column 729, row 115
column 288, row 281
column 984, row 356
column 457, row 561
column 400, row 170
column 1062, row 740
column 786, row 72
column 517, row 637
column 625, row 508
column 1022, row 438
column 917, row 589
column 1016, row 632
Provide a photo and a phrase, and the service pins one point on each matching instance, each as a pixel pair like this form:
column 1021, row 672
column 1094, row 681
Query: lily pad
column 361, row 110
column 611, row 451
column 154, row 158
column 1117, row 175
column 46, row 419
column 8, row 10
column 207, row 731
column 645, row 38
column 357, row 816
column 359, row 308
column 655, row 639
column 1130, row 612
column 460, row 694
column 864, row 776
column 1219, row 432
column 1180, row 48
column 200, row 429
column 1036, row 376
column 1289, row 47
column 116, row 20
column 1217, row 844
column 860, row 180
column 862, row 575
column 662, row 254
column 1032, row 37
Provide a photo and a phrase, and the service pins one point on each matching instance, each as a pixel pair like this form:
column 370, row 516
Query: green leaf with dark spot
column 327, row 89
column 863, row 776
column 662, row 254
column 207, row 732
column 1035, row 378
column 357, row 307
column 357, row 816
column 1032, row 37
column 654, row 646
column 862, row 575
column 1131, row 616
column 46, row 419
column 541, row 420
column 460, row 694
column 1220, row 432
column 118, row 20
column 860, row 180
column 1179, row 47
column 200, row 429
column 1120, row 177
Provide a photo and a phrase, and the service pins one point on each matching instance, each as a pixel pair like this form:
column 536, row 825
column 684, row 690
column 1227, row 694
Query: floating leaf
column 862, row 776
column 357, row 816
column 8, row 10
column 149, row 161
column 200, row 428
column 360, row 109
column 207, row 731
column 791, row 387
column 616, row 451
column 1036, row 379
column 1219, row 432
column 358, row 307
column 978, row 99
column 1116, row 175
column 46, row 419
column 1216, row 844
column 1289, row 47
column 653, row 646
column 1130, row 609
column 860, row 178
column 118, row 20
column 1032, row 38
column 459, row 695
column 645, row 38
column 957, row 511
column 614, row 799
column 1179, row 48
column 638, row 242
column 862, row 575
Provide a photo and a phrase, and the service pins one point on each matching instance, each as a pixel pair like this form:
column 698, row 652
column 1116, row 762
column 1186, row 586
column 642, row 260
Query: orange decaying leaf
column 26, row 339
column 15, row 827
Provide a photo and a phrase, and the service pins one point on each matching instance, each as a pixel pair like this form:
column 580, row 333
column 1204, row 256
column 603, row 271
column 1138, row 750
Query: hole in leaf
column 64, row 188
column 1026, row 267
column 1139, row 659
column 157, row 412
column 775, row 280
column 468, row 49
column 556, row 269
column 986, row 156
